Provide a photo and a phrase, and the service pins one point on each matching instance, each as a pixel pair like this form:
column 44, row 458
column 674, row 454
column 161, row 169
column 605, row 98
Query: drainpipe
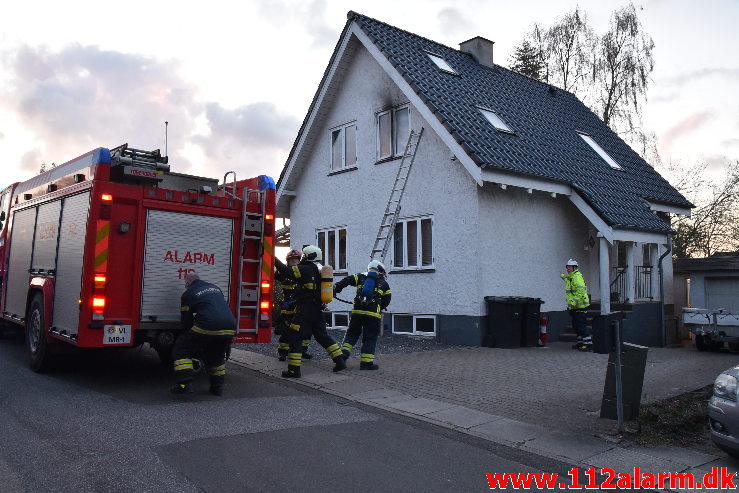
column 662, row 291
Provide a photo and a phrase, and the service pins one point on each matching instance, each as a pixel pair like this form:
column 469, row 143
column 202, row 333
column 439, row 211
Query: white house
column 512, row 177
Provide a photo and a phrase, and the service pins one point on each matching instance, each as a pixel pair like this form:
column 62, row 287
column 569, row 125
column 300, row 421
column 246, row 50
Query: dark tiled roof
column 545, row 144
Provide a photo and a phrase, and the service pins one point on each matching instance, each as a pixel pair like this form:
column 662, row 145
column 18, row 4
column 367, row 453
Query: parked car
column 723, row 412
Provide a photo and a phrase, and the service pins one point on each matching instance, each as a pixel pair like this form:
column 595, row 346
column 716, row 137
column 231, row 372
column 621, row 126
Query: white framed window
column 495, row 120
column 393, row 129
column 601, row 152
column 413, row 243
column 424, row 325
column 441, row 62
column 338, row 320
column 344, row 146
column 332, row 242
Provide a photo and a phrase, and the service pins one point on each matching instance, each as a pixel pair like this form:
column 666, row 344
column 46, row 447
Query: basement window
column 422, row 325
column 601, row 152
column 441, row 63
column 495, row 120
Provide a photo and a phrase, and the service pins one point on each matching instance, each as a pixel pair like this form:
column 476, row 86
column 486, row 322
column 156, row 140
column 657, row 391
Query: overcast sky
column 234, row 79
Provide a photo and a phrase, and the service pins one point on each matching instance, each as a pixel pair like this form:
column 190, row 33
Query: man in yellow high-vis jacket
column 578, row 302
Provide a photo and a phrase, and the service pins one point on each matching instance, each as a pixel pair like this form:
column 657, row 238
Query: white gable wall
column 356, row 199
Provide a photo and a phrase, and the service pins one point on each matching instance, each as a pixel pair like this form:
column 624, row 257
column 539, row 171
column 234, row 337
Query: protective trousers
column 309, row 322
column 211, row 348
column 580, row 322
column 369, row 328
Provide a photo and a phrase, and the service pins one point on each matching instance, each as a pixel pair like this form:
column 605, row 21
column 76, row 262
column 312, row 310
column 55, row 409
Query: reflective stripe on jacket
column 379, row 301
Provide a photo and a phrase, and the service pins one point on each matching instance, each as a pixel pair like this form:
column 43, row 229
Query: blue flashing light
column 266, row 182
column 101, row 155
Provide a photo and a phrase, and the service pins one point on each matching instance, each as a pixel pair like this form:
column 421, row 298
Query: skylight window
column 495, row 120
column 602, row 153
column 441, row 63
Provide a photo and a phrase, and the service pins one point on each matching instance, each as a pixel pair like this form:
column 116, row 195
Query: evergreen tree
column 527, row 60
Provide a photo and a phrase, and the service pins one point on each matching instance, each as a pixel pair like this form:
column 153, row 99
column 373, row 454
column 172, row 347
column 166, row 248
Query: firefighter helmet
column 572, row 262
column 378, row 266
column 294, row 254
column 312, row 253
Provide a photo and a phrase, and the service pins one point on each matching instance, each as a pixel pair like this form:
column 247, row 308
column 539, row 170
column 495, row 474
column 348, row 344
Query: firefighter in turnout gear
column 308, row 319
column 373, row 296
column 287, row 310
column 578, row 301
column 209, row 328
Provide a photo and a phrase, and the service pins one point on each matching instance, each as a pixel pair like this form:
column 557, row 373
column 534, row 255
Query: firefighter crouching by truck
column 287, row 310
column 210, row 327
column 373, row 296
column 308, row 318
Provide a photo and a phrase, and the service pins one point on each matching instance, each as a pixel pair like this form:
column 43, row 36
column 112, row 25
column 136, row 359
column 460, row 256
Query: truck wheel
column 38, row 348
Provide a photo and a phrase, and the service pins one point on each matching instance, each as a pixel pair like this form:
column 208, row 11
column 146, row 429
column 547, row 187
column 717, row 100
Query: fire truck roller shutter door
column 45, row 239
column 176, row 244
column 21, row 248
column 68, row 284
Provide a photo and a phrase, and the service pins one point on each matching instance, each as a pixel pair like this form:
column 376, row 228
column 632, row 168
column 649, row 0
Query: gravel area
column 386, row 344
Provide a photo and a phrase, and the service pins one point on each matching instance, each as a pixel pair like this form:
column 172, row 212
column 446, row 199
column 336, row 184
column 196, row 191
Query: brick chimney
column 481, row 50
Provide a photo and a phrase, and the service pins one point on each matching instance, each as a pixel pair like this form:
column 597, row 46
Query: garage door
column 722, row 292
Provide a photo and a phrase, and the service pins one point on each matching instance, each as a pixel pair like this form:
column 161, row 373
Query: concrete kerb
column 579, row 451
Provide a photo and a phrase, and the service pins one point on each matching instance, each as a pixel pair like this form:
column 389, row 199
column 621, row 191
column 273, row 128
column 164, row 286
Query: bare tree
column 623, row 62
column 569, row 43
column 46, row 167
column 712, row 226
column 609, row 73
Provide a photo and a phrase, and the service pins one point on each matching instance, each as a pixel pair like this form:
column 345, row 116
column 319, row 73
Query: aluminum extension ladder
column 392, row 209
column 252, row 231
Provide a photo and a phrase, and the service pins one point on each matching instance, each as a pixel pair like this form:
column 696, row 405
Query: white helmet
column 378, row 266
column 312, row 253
column 572, row 262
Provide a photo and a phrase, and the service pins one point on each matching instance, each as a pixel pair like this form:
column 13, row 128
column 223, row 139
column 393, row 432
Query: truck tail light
column 98, row 303
column 265, row 287
column 264, row 305
column 269, row 224
column 100, row 281
column 107, row 201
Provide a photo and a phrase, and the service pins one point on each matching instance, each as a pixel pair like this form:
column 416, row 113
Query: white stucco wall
column 525, row 243
column 438, row 186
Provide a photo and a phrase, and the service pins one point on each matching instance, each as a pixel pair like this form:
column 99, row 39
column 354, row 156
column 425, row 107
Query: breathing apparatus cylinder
column 370, row 282
column 327, row 284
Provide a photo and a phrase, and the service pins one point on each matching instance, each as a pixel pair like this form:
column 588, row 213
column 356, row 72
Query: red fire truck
column 93, row 252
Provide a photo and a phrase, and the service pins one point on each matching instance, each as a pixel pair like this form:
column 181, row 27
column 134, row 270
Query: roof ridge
column 351, row 15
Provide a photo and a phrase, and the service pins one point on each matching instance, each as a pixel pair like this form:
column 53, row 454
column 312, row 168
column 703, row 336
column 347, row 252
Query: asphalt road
column 103, row 421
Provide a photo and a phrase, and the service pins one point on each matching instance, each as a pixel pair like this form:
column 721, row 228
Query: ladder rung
column 252, row 260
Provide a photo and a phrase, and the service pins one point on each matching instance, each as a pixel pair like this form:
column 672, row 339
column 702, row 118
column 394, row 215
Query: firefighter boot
column 340, row 363
column 282, row 354
column 368, row 365
column 216, row 385
column 181, row 388
column 291, row 372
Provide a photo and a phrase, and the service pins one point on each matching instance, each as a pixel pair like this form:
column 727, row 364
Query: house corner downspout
column 663, row 327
